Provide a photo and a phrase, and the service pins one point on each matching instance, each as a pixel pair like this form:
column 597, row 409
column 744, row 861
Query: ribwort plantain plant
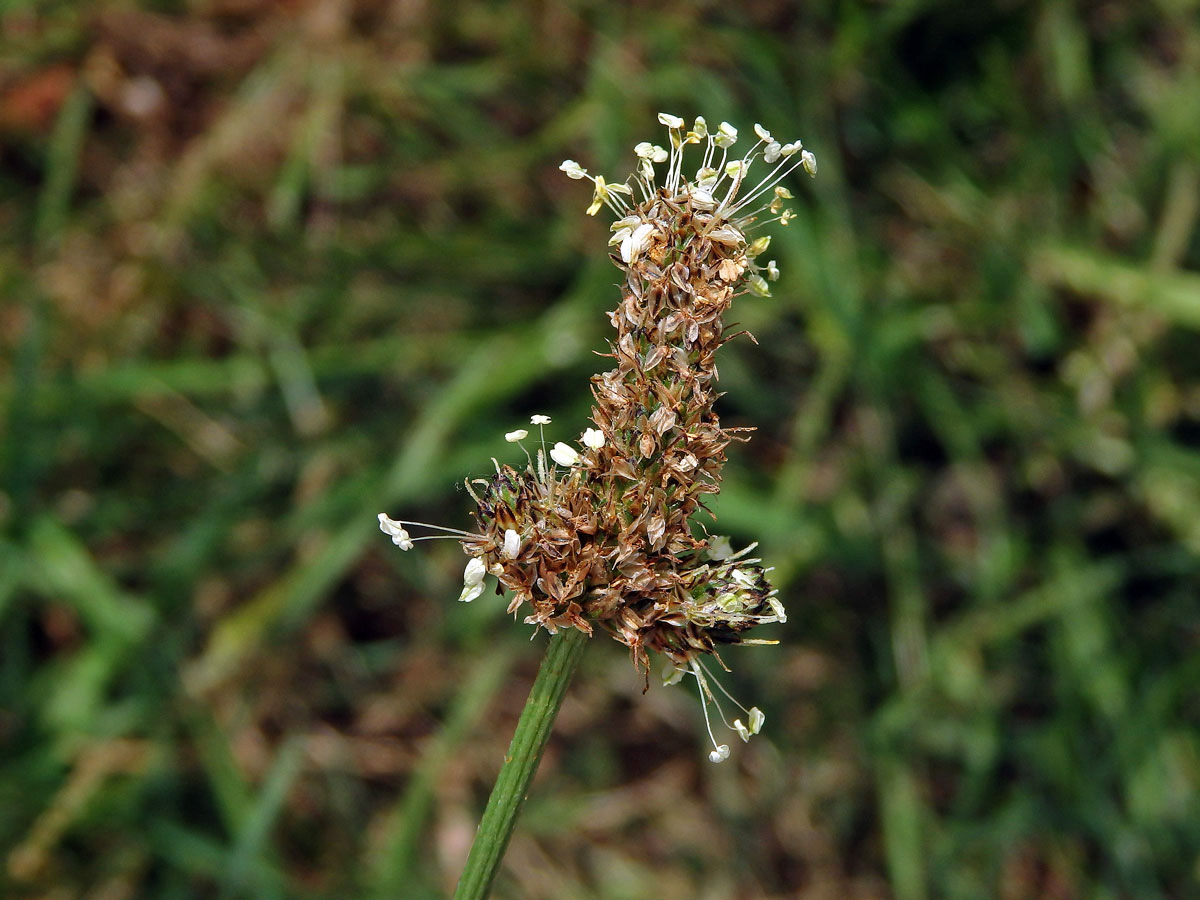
column 607, row 533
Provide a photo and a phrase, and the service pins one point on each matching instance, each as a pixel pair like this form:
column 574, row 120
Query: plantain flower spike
column 609, row 537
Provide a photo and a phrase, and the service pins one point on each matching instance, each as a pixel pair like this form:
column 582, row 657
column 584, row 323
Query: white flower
column 472, row 580
column 763, row 134
column 635, row 241
column 513, row 436
column 395, row 531
column 736, row 169
column 757, row 285
column 772, row 271
column 727, row 234
column 701, row 127
column 649, row 153
column 473, row 574
column 758, row 245
column 720, row 754
column 512, row 544
column 594, row 438
column 742, row 578
column 772, row 152
column 702, row 199
column 564, row 455
column 777, row 607
column 539, row 419
column 756, row 723
column 622, row 228
column 573, row 169
column 719, row 547
column 670, row 121
column 809, row 162
column 726, row 136
column 470, row 592
column 790, row 149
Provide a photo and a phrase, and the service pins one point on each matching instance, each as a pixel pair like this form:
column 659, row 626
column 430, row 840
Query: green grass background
column 270, row 268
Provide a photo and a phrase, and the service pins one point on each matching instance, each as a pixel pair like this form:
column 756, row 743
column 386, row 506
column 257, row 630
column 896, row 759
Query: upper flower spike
column 730, row 202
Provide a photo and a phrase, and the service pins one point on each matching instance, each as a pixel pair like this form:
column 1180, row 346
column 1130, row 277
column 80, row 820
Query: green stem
column 521, row 761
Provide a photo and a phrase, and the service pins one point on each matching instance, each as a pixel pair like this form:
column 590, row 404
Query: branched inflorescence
column 604, row 535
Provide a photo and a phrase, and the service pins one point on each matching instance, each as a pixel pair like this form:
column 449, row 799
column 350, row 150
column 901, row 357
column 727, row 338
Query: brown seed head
column 611, row 540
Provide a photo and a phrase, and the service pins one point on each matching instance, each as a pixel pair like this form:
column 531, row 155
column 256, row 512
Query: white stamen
column 777, row 607
column 635, row 241
column 593, row 438
column 472, row 580
column 673, row 674
column 573, row 169
column 395, row 531
column 720, row 751
column 719, row 547
column 564, row 455
column 512, row 544
column 455, row 532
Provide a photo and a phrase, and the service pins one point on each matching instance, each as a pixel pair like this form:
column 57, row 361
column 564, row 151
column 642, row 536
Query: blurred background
column 270, row 268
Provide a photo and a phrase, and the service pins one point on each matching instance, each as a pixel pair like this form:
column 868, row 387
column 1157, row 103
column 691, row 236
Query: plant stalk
column 520, row 763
